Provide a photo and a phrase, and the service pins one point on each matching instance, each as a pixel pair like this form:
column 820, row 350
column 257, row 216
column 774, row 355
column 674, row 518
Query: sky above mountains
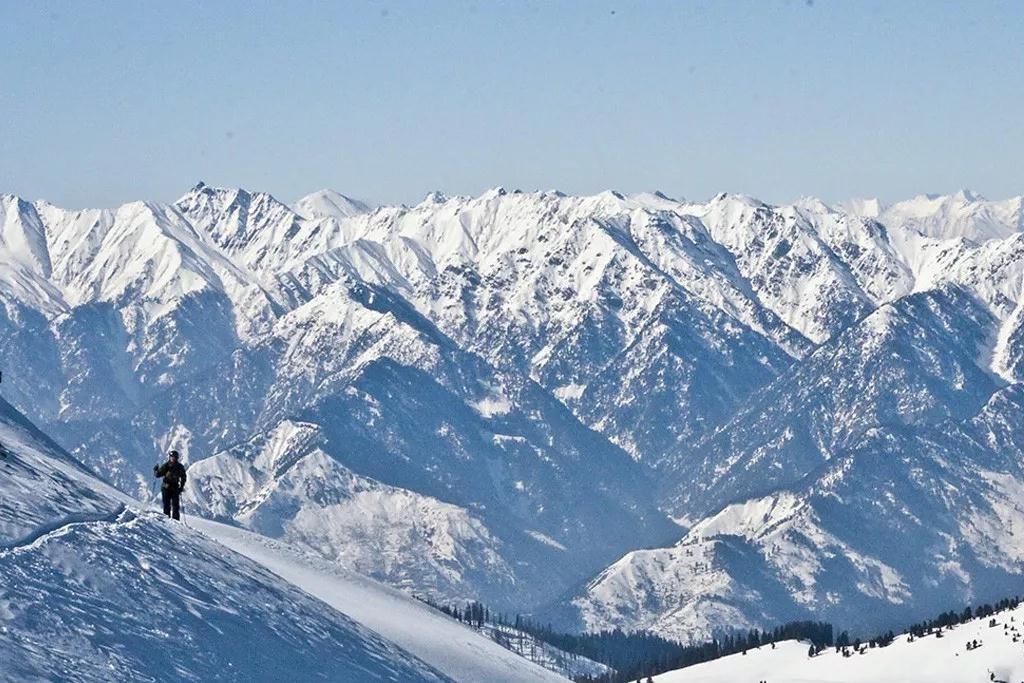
column 388, row 100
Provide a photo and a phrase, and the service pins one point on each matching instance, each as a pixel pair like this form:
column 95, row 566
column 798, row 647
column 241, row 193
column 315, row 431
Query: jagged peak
column 224, row 196
column 611, row 194
column 494, row 192
column 435, row 197
column 737, row 198
column 965, row 195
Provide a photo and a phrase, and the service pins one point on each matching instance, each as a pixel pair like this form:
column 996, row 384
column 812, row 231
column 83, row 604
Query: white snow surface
column 137, row 597
column 41, row 486
column 329, row 204
column 449, row 646
column 925, row 660
column 293, row 490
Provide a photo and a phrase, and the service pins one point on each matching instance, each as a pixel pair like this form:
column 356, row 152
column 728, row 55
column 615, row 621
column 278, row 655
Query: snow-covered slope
column 942, row 656
column 393, row 400
column 399, row 401
column 135, row 598
column 455, row 649
column 794, row 272
column 329, row 204
column 963, row 214
column 93, row 589
column 902, row 420
column 41, row 486
column 915, row 361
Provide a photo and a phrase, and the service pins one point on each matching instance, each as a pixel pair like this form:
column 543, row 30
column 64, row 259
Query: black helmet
column 174, row 454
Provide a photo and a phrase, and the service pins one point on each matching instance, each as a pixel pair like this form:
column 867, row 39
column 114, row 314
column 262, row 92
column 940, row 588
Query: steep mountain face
column 905, row 522
column 91, row 586
column 400, row 404
column 910, row 363
column 878, row 429
column 488, row 387
column 785, row 259
column 42, row 485
column 287, row 486
column 261, row 234
column 622, row 312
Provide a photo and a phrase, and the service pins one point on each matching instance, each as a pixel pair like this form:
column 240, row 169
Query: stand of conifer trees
column 639, row 654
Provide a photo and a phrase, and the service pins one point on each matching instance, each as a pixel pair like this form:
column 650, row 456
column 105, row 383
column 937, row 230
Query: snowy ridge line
column 44, row 530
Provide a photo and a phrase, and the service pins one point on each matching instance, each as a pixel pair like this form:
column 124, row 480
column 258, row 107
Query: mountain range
column 612, row 411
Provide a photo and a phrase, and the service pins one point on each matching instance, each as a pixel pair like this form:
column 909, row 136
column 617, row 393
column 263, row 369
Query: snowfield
column 41, row 487
column 449, row 646
column 925, row 660
column 140, row 598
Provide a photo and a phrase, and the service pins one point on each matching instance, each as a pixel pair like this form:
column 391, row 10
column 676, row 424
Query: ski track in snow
column 58, row 524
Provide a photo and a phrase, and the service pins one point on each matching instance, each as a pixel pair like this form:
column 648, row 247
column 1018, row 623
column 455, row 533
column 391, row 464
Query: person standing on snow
column 174, row 476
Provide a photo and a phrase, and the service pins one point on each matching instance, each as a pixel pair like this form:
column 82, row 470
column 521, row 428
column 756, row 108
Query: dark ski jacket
column 173, row 474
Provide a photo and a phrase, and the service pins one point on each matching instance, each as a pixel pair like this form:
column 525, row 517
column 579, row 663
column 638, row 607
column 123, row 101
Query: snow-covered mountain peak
column 611, row 196
column 965, row 196
column 260, row 233
column 866, row 207
column 733, row 198
column 964, row 214
column 434, row 197
column 727, row 211
column 330, row 204
column 494, row 192
column 22, row 236
column 231, row 215
column 656, row 201
column 482, row 364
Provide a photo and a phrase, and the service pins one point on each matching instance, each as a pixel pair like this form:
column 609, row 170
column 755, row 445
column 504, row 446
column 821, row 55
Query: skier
column 173, row 473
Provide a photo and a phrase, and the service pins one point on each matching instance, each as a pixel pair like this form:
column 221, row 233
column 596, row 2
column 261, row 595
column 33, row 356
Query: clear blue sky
column 102, row 103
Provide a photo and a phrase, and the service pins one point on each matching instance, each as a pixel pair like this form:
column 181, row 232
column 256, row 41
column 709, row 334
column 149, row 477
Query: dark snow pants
column 172, row 503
